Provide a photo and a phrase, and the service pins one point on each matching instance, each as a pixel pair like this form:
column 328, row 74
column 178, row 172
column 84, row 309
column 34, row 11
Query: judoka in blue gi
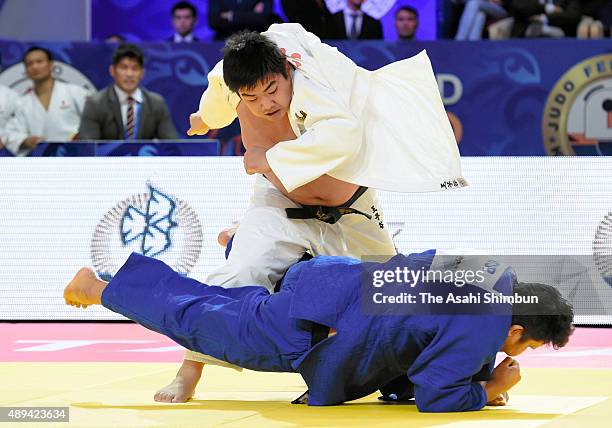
column 345, row 345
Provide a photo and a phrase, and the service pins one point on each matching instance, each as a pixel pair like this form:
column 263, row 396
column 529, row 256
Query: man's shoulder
column 8, row 92
column 100, row 96
column 154, row 97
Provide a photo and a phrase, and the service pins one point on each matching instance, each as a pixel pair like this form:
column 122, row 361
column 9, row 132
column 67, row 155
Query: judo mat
column 107, row 374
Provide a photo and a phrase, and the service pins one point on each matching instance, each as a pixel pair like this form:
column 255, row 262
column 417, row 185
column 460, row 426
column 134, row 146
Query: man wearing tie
column 353, row 24
column 124, row 110
column 184, row 19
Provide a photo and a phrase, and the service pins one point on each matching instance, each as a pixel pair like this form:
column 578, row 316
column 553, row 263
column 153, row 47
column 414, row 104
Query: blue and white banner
column 519, row 97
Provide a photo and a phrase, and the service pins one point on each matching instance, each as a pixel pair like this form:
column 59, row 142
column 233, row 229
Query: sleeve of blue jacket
column 442, row 374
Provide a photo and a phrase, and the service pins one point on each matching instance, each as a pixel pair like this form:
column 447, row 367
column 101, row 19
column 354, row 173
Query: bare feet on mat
column 181, row 389
column 85, row 289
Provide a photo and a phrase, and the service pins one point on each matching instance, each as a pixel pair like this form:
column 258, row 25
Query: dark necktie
column 129, row 126
column 353, row 33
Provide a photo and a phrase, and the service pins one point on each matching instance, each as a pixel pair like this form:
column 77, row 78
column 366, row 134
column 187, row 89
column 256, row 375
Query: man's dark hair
column 185, row 5
column 248, row 58
column 549, row 320
column 37, row 48
column 128, row 50
column 407, row 8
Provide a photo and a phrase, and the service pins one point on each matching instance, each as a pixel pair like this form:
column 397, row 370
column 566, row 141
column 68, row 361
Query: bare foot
column 181, row 389
column 85, row 289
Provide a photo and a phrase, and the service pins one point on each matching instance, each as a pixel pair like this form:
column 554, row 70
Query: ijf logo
column 578, row 114
column 154, row 224
column 602, row 248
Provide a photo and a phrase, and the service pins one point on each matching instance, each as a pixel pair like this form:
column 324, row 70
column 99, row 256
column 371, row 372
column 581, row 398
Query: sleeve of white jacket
column 16, row 131
column 333, row 135
column 218, row 104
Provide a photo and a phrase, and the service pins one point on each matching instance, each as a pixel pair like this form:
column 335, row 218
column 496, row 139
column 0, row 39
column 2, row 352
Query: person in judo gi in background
column 49, row 110
column 316, row 325
column 321, row 134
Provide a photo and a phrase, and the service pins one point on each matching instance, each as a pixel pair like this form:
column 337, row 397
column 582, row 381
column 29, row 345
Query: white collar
column 123, row 96
column 351, row 12
column 178, row 38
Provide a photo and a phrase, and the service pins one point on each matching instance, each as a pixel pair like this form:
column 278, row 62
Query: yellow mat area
column 120, row 395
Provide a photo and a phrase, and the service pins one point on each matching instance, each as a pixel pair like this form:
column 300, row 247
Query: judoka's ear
column 288, row 68
column 516, row 330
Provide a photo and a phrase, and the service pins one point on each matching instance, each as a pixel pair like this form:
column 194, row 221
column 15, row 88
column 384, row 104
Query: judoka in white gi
column 321, row 133
column 9, row 101
column 49, row 110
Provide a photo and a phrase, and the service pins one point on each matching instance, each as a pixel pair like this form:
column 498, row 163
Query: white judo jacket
column 385, row 129
column 9, row 102
column 59, row 123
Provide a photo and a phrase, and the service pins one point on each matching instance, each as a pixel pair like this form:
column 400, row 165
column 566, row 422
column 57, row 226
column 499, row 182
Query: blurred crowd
column 56, row 111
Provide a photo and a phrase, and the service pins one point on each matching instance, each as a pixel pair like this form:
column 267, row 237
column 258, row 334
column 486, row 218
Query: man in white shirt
column 319, row 131
column 184, row 19
column 9, row 101
column 50, row 110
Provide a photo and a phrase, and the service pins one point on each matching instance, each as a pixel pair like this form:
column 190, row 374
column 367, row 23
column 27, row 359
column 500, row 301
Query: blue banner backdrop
column 121, row 148
column 497, row 94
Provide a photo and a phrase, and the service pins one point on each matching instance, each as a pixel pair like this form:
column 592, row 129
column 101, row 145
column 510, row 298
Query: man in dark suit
column 351, row 23
column 227, row 17
column 184, row 20
column 124, row 110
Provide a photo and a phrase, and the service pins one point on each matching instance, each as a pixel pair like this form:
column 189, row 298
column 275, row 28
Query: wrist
column 493, row 389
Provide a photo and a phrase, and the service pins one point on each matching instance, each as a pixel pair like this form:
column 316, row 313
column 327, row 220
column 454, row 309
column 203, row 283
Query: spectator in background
column 596, row 19
column 406, row 23
column 124, row 110
column 9, row 101
column 184, row 19
column 312, row 14
column 49, row 110
column 475, row 15
column 545, row 18
column 352, row 23
column 230, row 16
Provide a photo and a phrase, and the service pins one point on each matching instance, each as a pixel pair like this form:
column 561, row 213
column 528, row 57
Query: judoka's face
column 38, row 66
column 127, row 74
column 270, row 98
column 515, row 344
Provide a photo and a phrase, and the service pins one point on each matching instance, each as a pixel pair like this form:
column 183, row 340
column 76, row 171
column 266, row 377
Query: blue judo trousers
column 248, row 327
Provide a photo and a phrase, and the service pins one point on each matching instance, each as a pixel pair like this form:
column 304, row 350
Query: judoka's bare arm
column 259, row 135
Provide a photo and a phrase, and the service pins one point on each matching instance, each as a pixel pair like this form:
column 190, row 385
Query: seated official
column 49, row 110
column 316, row 325
column 125, row 110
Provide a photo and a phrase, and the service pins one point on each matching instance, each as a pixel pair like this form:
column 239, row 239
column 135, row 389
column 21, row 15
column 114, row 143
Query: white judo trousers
column 267, row 243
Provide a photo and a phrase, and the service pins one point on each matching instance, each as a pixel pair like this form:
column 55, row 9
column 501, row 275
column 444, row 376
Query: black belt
column 328, row 214
column 319, row 333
